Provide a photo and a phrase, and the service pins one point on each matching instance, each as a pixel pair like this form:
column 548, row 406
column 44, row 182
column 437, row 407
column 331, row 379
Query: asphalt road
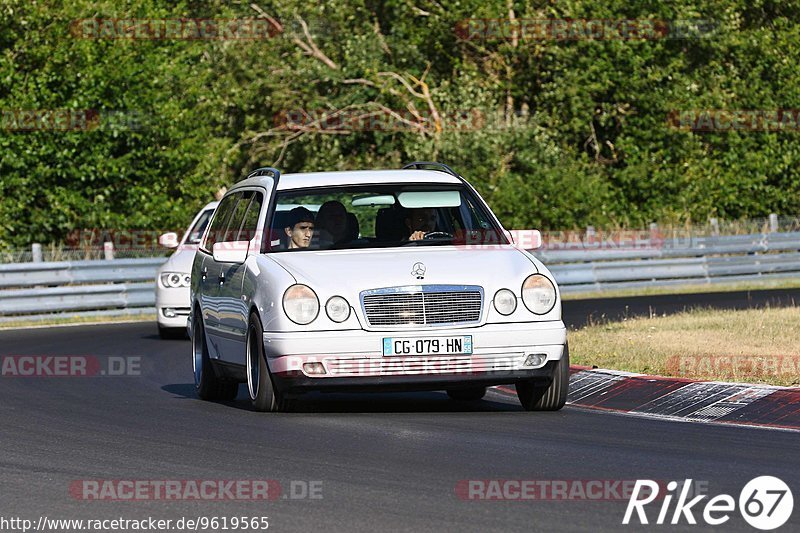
column 578, row 313
column 385, row 462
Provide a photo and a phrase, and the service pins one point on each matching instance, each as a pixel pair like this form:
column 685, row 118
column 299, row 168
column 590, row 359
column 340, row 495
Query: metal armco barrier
column 602, row 266
column 77, row 286
column 128, row 285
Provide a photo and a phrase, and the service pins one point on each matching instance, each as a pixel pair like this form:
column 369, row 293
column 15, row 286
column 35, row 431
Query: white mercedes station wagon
column 370, row 280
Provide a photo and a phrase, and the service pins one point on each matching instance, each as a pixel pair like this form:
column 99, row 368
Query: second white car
column 173, row 277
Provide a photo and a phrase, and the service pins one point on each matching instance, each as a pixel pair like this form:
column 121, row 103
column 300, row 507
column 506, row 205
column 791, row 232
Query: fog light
column 505, row 302
column 313, row 368
column 169, row 312
column 535, row 360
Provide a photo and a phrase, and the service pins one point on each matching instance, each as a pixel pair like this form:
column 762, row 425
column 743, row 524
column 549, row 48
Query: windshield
column 195, row 234
column 380, row 216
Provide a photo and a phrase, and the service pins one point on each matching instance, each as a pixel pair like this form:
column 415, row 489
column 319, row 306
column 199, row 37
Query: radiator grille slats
column 423, row 306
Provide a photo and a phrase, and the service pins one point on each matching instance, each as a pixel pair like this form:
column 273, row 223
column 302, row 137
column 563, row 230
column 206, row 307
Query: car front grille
column 429, row 305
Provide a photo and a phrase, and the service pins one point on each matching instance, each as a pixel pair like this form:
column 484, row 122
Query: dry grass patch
column 70, row 320
column 755, row 345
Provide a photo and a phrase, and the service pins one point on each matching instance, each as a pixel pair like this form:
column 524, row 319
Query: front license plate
column 460, row 345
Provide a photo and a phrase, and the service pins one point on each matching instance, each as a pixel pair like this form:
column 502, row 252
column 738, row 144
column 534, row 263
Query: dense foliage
column 555, row 133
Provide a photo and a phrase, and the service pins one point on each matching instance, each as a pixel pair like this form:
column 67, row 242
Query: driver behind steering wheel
column 420, row 221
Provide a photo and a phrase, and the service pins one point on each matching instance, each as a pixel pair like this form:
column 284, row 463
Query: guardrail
column 123, row 285
column 128, row 285
column 675, row 261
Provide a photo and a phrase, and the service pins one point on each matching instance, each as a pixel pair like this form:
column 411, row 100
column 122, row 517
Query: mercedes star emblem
column 418, row 270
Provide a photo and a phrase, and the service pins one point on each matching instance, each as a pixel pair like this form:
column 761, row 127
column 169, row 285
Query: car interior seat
column 277, row 232
column 352, row 227
column 390, row 224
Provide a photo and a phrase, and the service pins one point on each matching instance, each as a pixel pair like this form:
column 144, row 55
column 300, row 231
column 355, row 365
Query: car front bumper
column 172, row 301
column 354, row 359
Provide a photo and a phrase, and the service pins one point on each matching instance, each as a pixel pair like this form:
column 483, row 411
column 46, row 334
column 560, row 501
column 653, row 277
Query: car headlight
column 173, row 280
column 505, row 302
column 300, row 304
column 337, row 308
column 538, row 294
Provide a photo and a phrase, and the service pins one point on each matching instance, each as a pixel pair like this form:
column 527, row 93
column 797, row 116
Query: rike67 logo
column 765, row 503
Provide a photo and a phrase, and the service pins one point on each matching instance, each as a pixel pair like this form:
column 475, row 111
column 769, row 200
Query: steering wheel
column 437, row 235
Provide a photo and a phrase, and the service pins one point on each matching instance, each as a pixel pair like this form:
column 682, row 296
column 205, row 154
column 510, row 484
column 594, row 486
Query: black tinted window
column 250, row 224
column 232, row 230
column 220, row 221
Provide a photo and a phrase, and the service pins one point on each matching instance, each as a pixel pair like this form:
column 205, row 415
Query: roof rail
column 441, row 167
column 265, row 171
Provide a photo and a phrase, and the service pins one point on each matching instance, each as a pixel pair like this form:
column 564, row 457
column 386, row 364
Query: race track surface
column 578, row 313
column 385, row 462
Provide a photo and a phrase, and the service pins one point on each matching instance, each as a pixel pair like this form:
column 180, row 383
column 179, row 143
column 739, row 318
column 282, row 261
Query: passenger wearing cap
column 300, row 228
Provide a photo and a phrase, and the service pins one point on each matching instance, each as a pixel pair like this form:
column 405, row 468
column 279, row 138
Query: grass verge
column 752, row 346
column 788, row 283
column 69, row 320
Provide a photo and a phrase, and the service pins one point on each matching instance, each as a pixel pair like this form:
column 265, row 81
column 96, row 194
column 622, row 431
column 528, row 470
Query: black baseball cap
column 297, row 215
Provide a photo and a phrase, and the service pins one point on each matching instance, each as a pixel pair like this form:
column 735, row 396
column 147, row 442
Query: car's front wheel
column 552, row 397
column 206, row 382
column 472, row 394
column 263, row 394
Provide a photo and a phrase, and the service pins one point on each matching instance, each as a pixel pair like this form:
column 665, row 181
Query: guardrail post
column 773, row 223
column 108, row 250
column 588, row 242
column 714, row 227
column 654, row 235
column 36, row 252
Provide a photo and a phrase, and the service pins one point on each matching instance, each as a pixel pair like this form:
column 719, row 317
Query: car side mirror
column 526, row 239
column 231, row 252
column 169, row 240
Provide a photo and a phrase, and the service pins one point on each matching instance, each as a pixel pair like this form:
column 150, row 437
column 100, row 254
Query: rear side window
column 250, row 224
column 220, row 221
column 235, row 223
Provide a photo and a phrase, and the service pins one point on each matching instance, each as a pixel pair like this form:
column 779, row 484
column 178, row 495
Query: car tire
column 207, row 384
column 263, row 395
column 552, row 397
column 171, row 333
column 472, row 394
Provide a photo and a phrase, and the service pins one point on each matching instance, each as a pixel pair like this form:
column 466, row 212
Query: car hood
column 181, row 260
column 348, row 272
